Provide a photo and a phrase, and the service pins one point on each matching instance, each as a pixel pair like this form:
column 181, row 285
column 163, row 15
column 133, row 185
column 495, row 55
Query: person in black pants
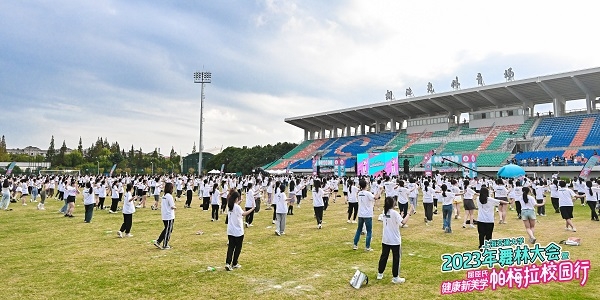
column 235, row 230
column 485, row 216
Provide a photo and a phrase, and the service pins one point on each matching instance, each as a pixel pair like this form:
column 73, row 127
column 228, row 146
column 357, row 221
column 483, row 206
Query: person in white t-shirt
column 128, row 211
column 468, row 204
column 318, row 203
column 565, row 201
column 215, row 196
column 447, row 198
column 592, row 195
column 528, row 205
column 392, row 221
column 250, row 204
column 366, row 201
column 89, row 202
column 352, row 201
column 281, row 210
column 167, row 209
column 485, row 214
column 156, row 194
column 235, row 229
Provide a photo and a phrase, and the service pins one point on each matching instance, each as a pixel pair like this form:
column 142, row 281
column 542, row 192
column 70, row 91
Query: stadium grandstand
column 502, row 126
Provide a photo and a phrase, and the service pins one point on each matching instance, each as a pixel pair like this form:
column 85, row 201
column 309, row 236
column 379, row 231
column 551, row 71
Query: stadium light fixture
column 202, row 78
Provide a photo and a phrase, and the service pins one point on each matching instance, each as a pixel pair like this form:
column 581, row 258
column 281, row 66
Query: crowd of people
column 224, row 194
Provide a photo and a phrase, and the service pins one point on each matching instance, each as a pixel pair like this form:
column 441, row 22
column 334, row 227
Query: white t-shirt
column 318, row 198
column 469, row 193
column 352, row 194
column 115, row 191
column 402, row 194
column 250, row 202
column 565, row 196
column 280, row 205
column 539, row 192
column 485, row 212
column 389, row 188
column 391, row 228
column 553, row 191
column 500, row 191
column 214, row 197
column 128, row 206
column 166, row 207
column 448, row 199
column 235, row 223
column 530, row 202
column 428, row 195
column 366, row 201
column 88, row 198
column 594, row 196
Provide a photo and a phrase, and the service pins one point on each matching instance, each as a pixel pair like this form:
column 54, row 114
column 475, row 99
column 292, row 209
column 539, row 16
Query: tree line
column 102, row 155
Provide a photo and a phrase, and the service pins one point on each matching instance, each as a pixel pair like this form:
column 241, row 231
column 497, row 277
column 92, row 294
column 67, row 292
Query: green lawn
column 47, row 256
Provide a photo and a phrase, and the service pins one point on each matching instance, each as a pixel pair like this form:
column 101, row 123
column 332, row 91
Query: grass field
column 47, row 256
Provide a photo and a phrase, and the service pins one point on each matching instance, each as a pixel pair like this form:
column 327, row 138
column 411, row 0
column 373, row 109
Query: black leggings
column 403, row 209
column 541, row 210
column 114, row 204
column 485, row 232
column 101, row 202
column 234, row 249
column 205, row 203
column 250, row 216
column 385, row 252
column 428, row 207
column 223, row 204
column 518, row 206
column 555, row 204
column 319, row 214
column 127, row 222
column 326, row 202
column 215, row 212
column 188, row 200
column 352, row 207
column 592, row 205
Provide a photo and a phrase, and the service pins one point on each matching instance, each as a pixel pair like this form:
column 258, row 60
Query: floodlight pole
column 201, row 77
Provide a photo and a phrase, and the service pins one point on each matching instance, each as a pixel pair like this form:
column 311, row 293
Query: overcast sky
column 124, row 69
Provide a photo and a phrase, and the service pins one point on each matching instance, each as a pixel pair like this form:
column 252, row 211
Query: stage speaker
column 406, row 166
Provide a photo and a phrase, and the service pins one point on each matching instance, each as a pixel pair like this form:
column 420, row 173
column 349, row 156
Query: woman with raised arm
column 235, row 229
column 167, row 209
column 485, row 214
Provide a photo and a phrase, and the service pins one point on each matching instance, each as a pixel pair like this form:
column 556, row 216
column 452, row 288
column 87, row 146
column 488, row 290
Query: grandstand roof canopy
column 573, row 85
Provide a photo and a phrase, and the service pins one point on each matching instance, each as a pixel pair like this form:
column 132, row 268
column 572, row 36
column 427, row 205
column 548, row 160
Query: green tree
column 3, row 153
column 60, row 157
column 74, row 159
column 51, row 152
column 80, row 146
